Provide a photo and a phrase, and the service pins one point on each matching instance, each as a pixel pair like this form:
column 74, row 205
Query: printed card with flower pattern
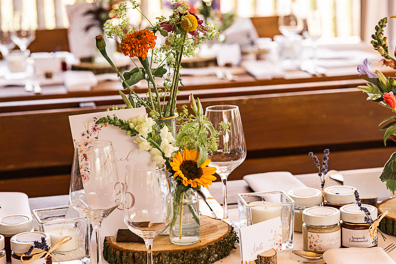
column 260, row 237
column 84, row 129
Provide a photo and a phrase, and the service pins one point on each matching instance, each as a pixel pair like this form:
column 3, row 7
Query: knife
column 216, row 208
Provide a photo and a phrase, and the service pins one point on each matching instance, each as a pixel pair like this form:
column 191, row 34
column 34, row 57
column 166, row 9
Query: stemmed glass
column 291, row 24
column 93, row 177
column 23, row 33
column 314, row 29
column 231, row 151
column 6, row 44
column 148, row 204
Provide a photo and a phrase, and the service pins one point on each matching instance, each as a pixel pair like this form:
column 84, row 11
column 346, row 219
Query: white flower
column 143, row 144
column 165, row 134
column 131, row 125
column 143, row 129
column 167, row 148
column 157, row 157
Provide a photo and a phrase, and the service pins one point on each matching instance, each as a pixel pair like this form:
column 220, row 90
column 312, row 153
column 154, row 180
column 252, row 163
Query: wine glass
column 314, row 29
column 291, row 24
column 148, row 204
column 6, row 43
column 93, row 177
column 231, row 151
column 23, row 33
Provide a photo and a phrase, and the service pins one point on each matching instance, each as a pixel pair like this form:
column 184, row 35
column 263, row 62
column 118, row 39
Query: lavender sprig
column 323, row 166
column 39, row 245
column 368, row 219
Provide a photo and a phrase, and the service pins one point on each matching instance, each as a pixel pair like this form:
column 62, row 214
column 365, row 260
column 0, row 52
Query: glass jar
column 12, row 225
column 321, row 229
column 338, row 196
column 2, row 251
column 304, row 198
column 355, row 230
column 22, row 242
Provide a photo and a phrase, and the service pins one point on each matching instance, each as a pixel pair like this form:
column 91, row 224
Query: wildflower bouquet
column 382, row 89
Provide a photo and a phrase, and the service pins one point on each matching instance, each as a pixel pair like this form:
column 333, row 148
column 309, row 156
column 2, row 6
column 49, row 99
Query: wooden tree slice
column 388, row 223
column 267, row 257
column 217, row 241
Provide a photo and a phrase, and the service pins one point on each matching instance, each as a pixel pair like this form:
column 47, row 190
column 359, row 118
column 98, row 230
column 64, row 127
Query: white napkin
column 357, row 255
column 242, row 31
column 273, row 181
column 79, row 80
column 263, row 70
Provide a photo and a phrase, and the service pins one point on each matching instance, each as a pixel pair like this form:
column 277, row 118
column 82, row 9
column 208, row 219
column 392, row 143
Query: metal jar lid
column 21, row 243
column 14, row 224
column 306, row 197
column 340, row 194
column 2, row 245
column 351, row 213
column 321, row 216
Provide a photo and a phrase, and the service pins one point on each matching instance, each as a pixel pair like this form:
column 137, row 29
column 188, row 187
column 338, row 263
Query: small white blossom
column 165, row 134
column 143, row 144
column 167, row 148
column 157, row 157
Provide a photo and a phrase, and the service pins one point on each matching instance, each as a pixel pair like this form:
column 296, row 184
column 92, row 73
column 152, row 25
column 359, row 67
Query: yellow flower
column 185, row 165
column 189, row 23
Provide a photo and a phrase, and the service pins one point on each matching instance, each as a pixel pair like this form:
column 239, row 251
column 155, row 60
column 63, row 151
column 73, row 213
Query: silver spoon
column 308, row 255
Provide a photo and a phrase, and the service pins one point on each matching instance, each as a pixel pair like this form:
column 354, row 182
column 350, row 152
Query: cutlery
column 335, row 175
column 212, row 203
column 250, row 262
column 308, row 255
column 389, row 248
column 36, row 88
column 315, row 262
column 28, row 86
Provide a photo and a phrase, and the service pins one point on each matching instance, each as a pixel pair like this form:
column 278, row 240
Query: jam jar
column 2, row 251
column 304, row 198
column 354, row 229
column 22, row 242
column 11, row 225
column 338, row 196
column 321, row 229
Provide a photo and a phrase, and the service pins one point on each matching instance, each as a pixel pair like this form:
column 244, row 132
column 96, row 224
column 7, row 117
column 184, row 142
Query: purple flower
column 365, row 68
column 215, row 5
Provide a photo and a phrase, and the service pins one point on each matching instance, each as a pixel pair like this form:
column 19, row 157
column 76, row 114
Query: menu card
column 260, row 237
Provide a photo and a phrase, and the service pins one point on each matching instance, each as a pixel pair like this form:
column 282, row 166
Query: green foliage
column 133, row 77
column 389, row 173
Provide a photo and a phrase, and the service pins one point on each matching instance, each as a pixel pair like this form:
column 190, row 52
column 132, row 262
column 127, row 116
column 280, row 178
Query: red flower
column 390, row 99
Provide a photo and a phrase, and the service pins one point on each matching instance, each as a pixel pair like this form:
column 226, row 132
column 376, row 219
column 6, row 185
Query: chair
column 267, row 27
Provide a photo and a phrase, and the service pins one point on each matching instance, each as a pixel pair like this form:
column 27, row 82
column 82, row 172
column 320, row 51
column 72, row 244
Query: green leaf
column 389, row 173
column 388, row 125
column 387, row 119
column 132, row 77
column 203, row 154
column 209, row 126
column 368, row 89
column 126, row 100
column 159, row 72
column 202, row 138
column 163, row 32
column 389, row 132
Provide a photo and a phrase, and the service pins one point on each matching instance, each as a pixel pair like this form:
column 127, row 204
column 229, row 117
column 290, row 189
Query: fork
column 389, row 248
column 250, row 262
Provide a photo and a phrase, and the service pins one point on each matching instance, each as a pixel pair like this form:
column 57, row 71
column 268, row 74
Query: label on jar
column 18, row 261
column 357, row 238
column 320, row 242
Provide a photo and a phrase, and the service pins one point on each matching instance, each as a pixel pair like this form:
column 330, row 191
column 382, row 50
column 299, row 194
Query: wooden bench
column 280, row 129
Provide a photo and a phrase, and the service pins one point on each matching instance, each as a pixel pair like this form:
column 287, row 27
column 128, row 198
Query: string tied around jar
column 38, row 253
column 373, row 229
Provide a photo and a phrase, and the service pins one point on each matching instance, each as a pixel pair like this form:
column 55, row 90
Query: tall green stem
column 151, row 78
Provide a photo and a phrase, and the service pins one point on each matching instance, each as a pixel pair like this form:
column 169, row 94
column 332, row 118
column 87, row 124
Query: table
column 235, row 187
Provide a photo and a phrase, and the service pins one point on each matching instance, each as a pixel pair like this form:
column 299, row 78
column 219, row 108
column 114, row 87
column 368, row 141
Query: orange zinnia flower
column 138, row 43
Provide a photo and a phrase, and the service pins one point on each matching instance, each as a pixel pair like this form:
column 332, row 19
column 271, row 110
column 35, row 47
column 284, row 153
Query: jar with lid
column 338, row 196
column 355, row 230
column 12, row 225
column 2, row 251
column 22, row 242
column 304, row 198
column 321, row 229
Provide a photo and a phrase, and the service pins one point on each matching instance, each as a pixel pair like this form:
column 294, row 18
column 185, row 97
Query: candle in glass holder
column 58, row 232
column 263, row 211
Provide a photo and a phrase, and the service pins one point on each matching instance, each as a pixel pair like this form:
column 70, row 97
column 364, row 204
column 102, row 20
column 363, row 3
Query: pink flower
column 390, row 99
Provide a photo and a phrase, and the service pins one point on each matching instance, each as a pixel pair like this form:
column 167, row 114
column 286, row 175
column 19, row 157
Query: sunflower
column 185, row 165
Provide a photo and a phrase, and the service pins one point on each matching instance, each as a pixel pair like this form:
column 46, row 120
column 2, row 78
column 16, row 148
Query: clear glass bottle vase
column 185, row 225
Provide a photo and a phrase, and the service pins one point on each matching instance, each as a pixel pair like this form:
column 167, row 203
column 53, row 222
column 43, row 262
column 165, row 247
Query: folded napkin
column 79, row 80
column 357, row 255
column 273, row 181
column 263, row 70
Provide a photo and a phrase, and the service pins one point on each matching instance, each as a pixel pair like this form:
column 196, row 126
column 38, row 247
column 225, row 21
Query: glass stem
column 98, row 240
column 225, row 210
column 149, row 246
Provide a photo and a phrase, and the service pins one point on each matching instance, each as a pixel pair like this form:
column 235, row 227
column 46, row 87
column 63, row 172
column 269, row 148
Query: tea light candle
column 262, row 211
column 60, row 231
column 16, row 62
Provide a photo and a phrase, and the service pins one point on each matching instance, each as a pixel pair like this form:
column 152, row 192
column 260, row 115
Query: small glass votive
column 261, row 206
column 58, row 222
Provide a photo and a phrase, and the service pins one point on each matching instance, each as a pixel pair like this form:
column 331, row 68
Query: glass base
column 287, row 245
column 185, row 241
